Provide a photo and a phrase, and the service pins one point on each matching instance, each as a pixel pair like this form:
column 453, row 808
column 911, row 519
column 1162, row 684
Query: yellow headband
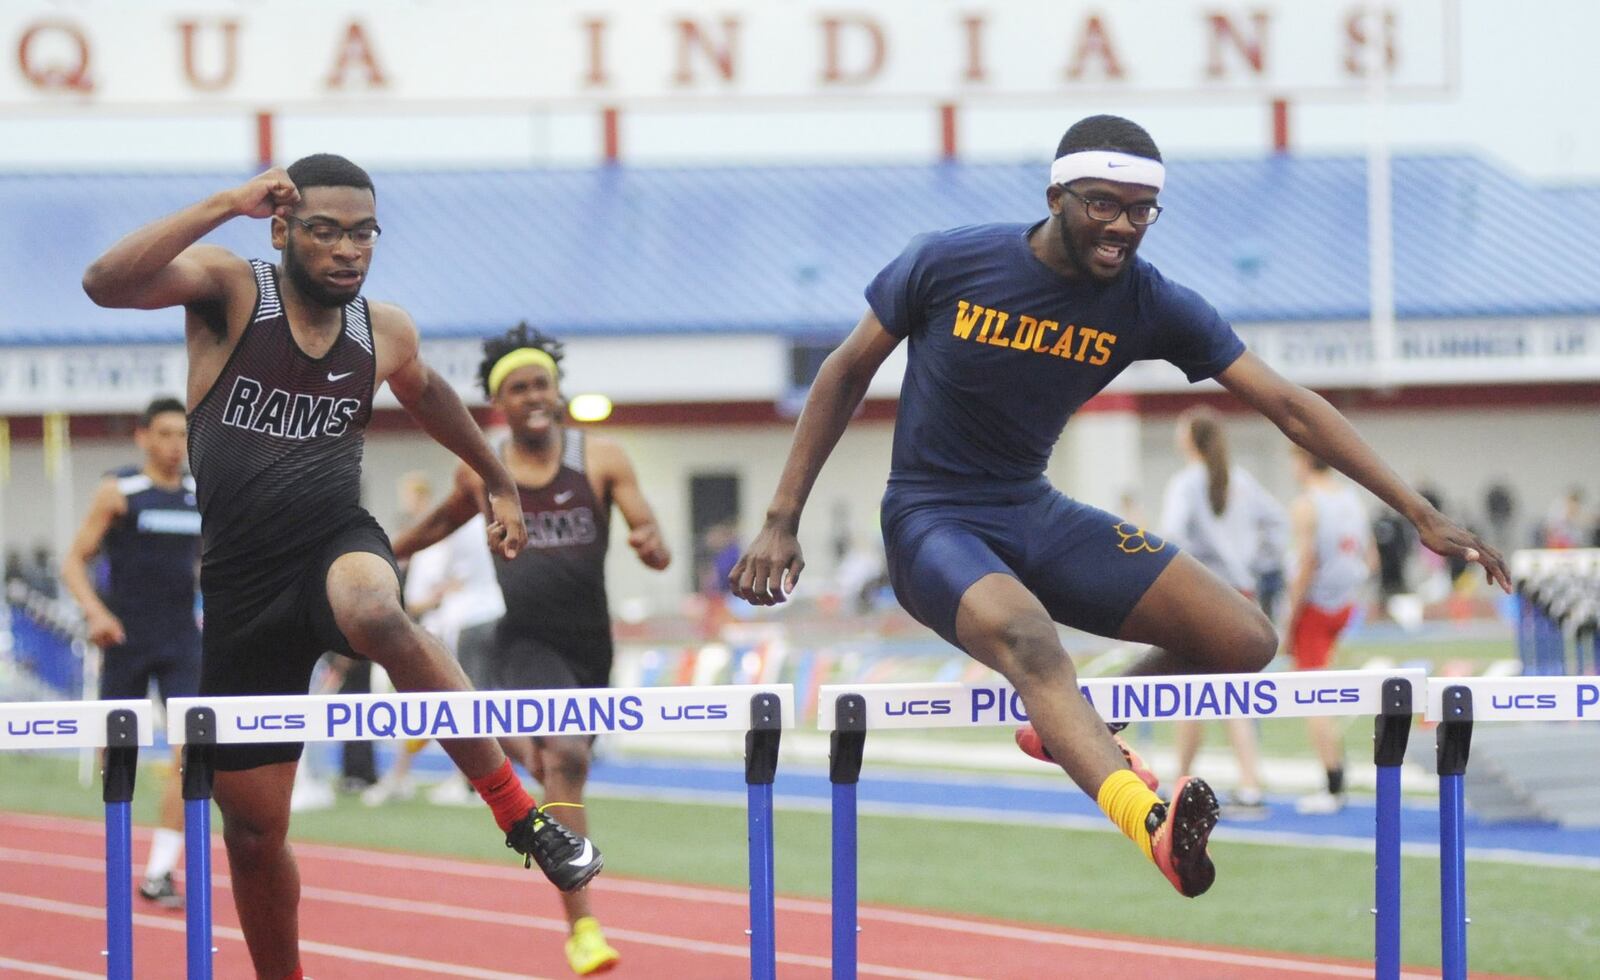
column 521, row 357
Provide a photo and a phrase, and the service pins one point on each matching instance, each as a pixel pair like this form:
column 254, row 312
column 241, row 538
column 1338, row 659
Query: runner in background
column 1219, row 513
column 144, row 520
column 1335, row 556
column 556, row 632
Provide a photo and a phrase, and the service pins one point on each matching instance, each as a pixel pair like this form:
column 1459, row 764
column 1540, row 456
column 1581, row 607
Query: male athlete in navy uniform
column 1013, row 327
column 556, row 632
column 143, row 519
column 283, row 364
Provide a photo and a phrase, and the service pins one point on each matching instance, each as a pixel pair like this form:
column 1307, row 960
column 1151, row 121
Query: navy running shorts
column 171, row 659
column 1087, row 566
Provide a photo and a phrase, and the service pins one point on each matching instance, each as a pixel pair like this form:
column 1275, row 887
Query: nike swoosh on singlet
column 339, row 377
column 563, row 496
column 584, row 856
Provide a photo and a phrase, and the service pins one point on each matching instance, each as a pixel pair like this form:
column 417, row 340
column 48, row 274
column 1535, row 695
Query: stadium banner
column 216, row 54
column 93, row 378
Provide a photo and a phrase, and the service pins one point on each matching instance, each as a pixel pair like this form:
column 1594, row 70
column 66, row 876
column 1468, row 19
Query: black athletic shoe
column 161, row 891
column 566, row 858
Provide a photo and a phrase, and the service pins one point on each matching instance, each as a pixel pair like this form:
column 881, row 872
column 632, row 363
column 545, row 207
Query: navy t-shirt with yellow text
column 1003, row 349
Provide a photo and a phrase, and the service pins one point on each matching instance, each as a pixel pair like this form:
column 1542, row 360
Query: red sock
column 298, row 974
column 503, row 791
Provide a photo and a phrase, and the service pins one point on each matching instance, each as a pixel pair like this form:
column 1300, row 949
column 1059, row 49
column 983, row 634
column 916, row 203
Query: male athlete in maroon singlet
column 556, row 632
column 283, row 364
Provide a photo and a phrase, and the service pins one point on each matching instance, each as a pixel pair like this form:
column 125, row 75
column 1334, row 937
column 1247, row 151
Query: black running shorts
column 275, row 650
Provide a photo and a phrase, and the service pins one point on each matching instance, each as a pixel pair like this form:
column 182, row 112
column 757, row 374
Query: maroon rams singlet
column 276, row 447
column 555, row 590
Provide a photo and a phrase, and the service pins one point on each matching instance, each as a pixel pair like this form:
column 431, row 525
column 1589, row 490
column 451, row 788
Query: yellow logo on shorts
column 1133, row 539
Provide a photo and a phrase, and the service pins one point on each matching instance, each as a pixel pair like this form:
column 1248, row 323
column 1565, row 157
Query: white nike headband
column 1124, row 168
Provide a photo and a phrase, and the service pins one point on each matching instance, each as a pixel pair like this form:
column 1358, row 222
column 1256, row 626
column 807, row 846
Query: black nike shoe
column 567, row 859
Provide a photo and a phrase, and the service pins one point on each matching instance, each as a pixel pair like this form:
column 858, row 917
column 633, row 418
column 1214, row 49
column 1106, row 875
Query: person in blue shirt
column 143, row 519
column 1011, row 328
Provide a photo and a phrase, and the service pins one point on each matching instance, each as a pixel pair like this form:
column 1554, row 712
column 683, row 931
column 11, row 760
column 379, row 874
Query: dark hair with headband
column 517, row 337
column 1108, row 133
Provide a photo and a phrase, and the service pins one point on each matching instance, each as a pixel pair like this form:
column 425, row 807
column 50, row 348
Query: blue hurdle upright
column 118, row 727
column 1456, row 703
column 761, row 711
column 848, row 712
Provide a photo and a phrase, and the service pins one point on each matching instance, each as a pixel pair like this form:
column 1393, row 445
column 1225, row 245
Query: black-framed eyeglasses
column 327, row 234
column 1106, row 210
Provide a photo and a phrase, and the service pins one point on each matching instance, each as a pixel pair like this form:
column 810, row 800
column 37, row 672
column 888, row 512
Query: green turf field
column 1527, row 921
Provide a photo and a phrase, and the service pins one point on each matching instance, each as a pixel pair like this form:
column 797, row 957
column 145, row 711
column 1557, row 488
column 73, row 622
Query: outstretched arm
column 622, row 485
column 105, row 630
column 160, row 265
column 436, row 406
column 1316, row 426
column 768, row 571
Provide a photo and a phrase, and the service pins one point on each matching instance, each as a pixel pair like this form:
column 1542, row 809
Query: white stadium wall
column 1459, row 450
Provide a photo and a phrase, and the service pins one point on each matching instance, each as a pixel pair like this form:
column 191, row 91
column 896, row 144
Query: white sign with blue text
column 478, row 714
column 1520, row 698
column 67, row 724
column 1174, row 698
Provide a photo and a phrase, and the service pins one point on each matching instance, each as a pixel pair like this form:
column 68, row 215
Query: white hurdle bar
column 119, row 727
column 761, row 711
column 1456, row 703
column 849, row 711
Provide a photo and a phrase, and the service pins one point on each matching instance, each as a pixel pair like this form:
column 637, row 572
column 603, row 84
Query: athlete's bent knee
column 1029, row 649
column 377, row 628
column 1259, row 645
column 250, row 838
column 570, row 765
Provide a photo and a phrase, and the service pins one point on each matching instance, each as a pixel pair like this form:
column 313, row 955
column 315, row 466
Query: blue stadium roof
column 788, row 249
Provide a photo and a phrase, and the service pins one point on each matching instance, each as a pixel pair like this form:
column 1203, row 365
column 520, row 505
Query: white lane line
column 490, row 916
column 1280, row 838
column 366, row 956
column 46, row 970
column 692, row 893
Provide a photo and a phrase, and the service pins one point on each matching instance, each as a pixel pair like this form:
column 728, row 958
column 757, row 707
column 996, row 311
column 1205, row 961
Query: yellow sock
column 1127, row 801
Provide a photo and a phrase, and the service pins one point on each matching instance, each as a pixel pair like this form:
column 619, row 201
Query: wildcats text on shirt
column 1071, row 342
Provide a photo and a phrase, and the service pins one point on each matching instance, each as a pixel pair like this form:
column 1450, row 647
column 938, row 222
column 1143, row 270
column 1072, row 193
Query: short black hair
column 160, row 405
column 1108, row 133
column 329, row 170
column 518, row 336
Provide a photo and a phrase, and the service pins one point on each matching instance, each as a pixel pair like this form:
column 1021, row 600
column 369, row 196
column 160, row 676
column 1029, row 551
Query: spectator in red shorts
column 1335, row 557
